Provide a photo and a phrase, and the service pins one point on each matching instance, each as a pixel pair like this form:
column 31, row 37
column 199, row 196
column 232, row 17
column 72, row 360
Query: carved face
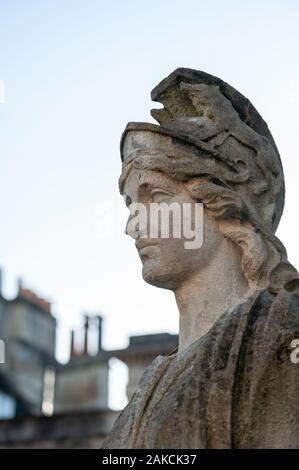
column 166, row 261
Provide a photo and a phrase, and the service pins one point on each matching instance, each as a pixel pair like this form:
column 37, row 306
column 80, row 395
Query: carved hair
column 264, row 258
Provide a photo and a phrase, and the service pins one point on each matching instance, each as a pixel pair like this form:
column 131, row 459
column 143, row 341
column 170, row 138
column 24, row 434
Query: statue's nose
column 136, row 226
column 130, row 229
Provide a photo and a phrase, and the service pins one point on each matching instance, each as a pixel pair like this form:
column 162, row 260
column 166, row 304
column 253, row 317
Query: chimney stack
column 72, row 347
column 86, row 328
column 100, row 324
column 20, row 284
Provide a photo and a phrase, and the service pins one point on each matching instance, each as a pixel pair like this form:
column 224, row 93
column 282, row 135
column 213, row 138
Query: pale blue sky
column 75, row 72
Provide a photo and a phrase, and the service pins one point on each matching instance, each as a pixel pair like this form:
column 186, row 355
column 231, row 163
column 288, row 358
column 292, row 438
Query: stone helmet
column 231, row 142
column 212, row 137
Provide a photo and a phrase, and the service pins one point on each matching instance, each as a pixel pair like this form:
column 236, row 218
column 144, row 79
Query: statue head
column 211, row 146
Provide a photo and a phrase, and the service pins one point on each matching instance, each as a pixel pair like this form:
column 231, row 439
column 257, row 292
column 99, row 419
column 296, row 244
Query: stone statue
column 232, row 383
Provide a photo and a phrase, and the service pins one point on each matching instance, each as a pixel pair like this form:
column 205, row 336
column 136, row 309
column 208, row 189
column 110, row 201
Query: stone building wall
column 85, row 430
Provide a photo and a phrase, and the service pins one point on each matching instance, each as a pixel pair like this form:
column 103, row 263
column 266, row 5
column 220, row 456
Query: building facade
column 40, row 398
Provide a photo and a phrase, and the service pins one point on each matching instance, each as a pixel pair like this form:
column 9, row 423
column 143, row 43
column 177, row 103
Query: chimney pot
column 100, row 330
column 72, row 347
column 86, row 328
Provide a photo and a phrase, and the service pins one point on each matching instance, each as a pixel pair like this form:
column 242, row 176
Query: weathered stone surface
column 233, row 387
column 232, row 383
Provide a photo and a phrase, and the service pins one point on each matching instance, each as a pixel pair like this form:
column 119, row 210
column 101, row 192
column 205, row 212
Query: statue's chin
column 152, row 273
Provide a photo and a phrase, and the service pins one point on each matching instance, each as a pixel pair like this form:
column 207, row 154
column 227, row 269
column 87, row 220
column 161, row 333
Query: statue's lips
column 144, row 248
column 143, row 243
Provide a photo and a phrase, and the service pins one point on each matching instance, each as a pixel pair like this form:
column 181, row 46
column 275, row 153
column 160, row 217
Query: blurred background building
column 44, row 403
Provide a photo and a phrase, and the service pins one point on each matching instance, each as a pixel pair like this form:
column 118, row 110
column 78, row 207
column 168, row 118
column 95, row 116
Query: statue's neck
column 205, row 295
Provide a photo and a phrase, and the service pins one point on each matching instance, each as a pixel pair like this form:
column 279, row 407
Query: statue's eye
column 159, row 195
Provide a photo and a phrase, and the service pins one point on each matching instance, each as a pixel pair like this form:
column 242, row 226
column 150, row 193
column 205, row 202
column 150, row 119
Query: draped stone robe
column 235, row 387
